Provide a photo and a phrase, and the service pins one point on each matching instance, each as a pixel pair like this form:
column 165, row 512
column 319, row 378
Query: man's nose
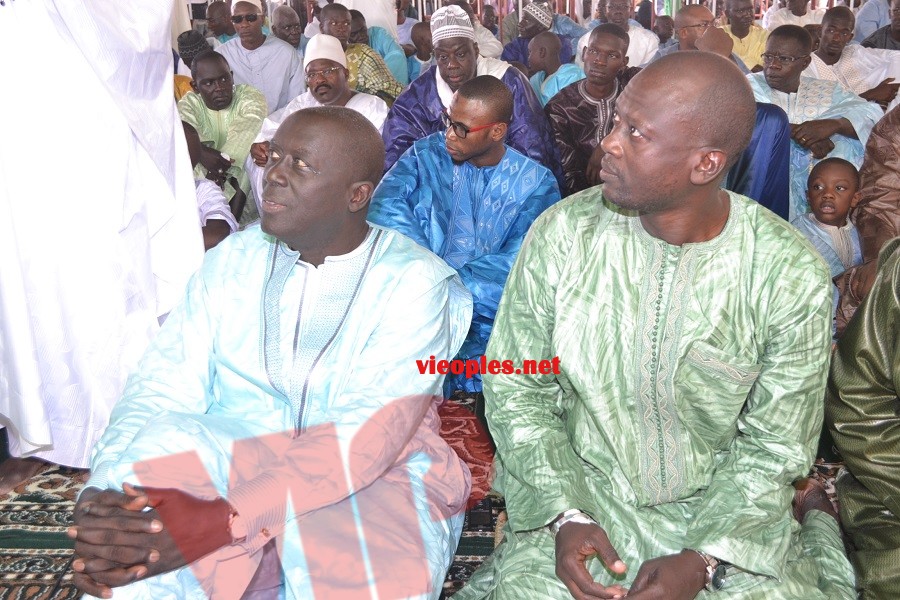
column 609, row 144
column 274, row 172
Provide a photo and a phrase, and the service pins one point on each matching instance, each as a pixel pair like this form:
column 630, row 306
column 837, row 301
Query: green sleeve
column 862, row 407
column 247, row 117
column 743, row 516
column 538, row 470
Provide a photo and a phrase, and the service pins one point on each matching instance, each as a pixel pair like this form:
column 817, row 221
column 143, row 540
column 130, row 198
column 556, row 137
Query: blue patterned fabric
column 416, row 113
column 475, row 218
column 761, row 172
column 517, row 51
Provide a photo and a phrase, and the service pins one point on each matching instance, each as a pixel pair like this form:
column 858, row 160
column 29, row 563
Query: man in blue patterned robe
column 417, row 111
column 470, row 199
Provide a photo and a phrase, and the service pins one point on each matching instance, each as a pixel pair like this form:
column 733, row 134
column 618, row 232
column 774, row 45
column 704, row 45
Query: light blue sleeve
column 567, row 27
column 873, row 15
column 403, row 200
column 393, row 55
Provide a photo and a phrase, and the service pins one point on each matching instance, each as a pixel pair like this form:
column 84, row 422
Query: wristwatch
column 573, row 515
column 715, row 571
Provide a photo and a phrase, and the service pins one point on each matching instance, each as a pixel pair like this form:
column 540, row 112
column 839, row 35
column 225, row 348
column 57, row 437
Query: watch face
column 718, row 578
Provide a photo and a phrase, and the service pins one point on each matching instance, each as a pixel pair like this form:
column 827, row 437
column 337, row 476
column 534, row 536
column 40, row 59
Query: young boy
column 419, row 62
column 832, row 190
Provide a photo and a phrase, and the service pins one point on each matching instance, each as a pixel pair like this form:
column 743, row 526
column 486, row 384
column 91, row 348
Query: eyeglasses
column 703, row 25
column 290, row 27
column 460, row 130
column 326, row 73
column 769, row 59
column 251, row 18
column 743, row 11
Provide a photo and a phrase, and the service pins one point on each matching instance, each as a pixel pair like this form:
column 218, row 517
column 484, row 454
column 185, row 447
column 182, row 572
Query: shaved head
column 796, row 33
column 688, row 14
column 333, row 10
column 710, row 92
column 204, row 57
column 218, row 8
column 839, row 13
column 491, row 92
column 547, row 40
column 359, row 138
column 610, row 29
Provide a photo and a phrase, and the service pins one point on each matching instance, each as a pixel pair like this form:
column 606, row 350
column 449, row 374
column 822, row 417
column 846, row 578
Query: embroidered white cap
column 450, row 22
column 324, row 46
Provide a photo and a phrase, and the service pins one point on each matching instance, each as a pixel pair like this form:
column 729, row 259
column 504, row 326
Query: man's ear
column 855, row 199
column 194, row 86
column 710, row 165
column 498, row 132
column 360, row 194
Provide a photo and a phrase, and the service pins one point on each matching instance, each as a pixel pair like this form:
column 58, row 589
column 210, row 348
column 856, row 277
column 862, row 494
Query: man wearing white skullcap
column 368, row 71
column 327, row 77
column 417, row 111
column 488, row 45
column 537, row 17
column 265, row 62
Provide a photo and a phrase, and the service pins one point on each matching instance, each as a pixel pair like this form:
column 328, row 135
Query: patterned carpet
column 34, row 549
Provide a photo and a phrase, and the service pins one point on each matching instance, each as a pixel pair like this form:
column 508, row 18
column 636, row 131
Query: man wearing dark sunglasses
column 469, row 198
column 267, row 63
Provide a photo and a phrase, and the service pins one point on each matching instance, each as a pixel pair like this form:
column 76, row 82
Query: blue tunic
column 475, row 218
column 761, row 172
column 517, row 51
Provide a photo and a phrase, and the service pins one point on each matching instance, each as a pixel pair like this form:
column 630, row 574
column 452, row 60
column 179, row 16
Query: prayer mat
column 34, row 549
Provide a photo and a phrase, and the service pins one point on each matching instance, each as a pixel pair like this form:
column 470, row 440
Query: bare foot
column 14, row 471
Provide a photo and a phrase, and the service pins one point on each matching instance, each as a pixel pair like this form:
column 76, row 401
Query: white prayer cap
column 542, row 13
column 256, row 3
column 451, row 22
column 324, row 46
